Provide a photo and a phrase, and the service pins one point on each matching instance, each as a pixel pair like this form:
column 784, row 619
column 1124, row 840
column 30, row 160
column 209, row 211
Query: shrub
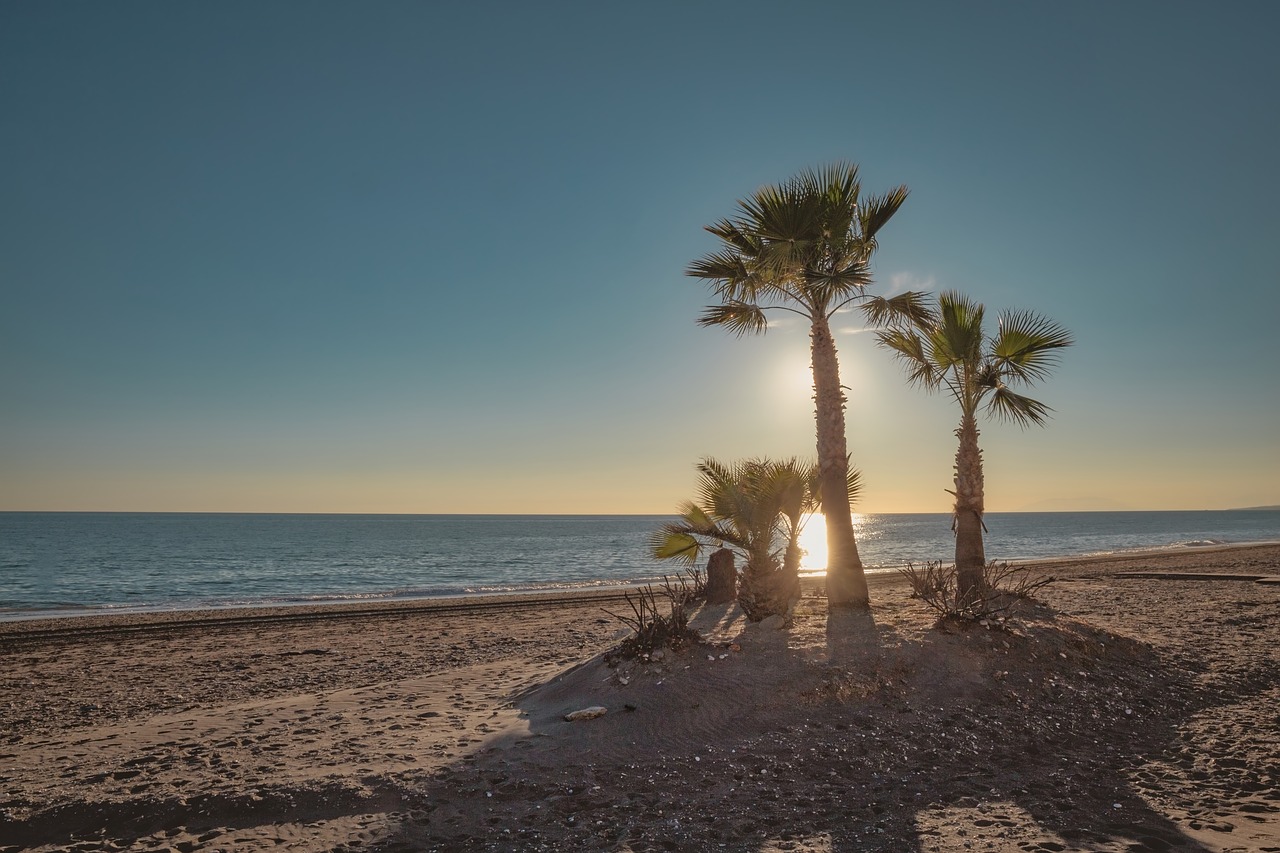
column 1002, row 587
column 650, row 629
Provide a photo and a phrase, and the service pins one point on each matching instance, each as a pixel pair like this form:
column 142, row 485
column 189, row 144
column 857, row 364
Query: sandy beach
column 1126, row 714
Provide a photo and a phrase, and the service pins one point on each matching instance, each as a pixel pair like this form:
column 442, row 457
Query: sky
column 429, row 258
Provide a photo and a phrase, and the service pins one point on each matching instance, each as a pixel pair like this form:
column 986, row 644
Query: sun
column 801, row 378
column 813, row 540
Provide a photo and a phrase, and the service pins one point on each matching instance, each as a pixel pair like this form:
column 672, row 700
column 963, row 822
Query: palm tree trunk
column 757, row 594
column 846, row 582
column 787, row 583
column 971, row 557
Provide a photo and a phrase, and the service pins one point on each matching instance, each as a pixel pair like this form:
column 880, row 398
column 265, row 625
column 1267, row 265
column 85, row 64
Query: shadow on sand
column 838, row 734
column 844, row 738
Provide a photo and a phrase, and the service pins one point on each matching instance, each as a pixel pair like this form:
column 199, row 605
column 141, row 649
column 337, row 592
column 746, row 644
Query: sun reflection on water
column 813, row 539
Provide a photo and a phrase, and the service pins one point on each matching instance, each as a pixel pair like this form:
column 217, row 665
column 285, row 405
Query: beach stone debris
column 586, row 714
column 722, row 577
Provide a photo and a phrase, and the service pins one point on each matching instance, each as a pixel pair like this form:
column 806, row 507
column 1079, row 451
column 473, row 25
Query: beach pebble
column 586, row 713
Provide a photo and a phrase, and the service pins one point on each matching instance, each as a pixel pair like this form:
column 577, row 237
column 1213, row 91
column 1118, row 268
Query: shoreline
column 87, row 617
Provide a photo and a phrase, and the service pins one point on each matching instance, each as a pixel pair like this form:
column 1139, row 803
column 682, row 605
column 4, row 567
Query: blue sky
column 405, row 257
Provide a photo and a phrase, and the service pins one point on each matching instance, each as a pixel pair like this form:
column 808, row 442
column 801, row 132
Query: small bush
column 650, row 629
column 1003, row 586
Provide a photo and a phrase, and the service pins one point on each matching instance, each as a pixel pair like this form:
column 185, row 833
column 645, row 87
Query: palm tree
column 805, row 247
column 949, row 349
column 756, row 508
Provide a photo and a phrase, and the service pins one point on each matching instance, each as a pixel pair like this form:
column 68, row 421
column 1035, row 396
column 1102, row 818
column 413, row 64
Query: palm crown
column 803, row 246
column 950, row 349
column 755, row 506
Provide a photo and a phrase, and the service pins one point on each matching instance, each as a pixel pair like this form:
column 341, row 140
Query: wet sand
column 1127, row 714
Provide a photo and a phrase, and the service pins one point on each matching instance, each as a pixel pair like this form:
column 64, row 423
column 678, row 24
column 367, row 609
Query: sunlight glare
column 813, row 539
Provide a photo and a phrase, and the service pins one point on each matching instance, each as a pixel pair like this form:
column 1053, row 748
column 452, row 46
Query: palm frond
column 736, row 236
column 826, row 286
column 910, row 348
column 837, row 184
column 782, row 219
column 910, row 308
column 958, row 335
column 674, row 544
column 721, row 266
column 875, row 211
column 1022, row 410
column 695, row 517
column 741, row 318
column 1029, row 345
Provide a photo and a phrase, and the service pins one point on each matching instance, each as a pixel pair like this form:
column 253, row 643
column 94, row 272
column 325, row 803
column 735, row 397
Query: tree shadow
column 116, row 825
column 852, row 636
column 850, row 750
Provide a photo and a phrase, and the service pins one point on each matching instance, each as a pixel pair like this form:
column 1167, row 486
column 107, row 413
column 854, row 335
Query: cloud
column 901, row 282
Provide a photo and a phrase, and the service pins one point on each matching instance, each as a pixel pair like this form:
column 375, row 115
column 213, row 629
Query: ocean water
column 71, row 563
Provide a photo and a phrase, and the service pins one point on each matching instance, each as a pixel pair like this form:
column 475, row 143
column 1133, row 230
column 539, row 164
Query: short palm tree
column 949, row 349
column 805, row 247
column 757, row 508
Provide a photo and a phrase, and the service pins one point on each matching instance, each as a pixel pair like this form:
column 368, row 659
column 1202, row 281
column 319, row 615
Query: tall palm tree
column 757, row 508
column 805, row 246
column 949, row 349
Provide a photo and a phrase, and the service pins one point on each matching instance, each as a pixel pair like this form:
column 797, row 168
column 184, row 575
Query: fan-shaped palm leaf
column 741, row 318
column 910, row 308
column 1017, row 408
column 1028, row 346
column 876, row 211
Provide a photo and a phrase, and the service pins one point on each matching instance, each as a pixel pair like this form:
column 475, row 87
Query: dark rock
column 722, row 577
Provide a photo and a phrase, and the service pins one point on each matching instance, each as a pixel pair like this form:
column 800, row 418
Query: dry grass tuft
column 1003, row 587
column 650, row 629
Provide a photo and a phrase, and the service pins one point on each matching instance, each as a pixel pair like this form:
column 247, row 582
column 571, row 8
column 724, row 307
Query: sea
column 68, row 564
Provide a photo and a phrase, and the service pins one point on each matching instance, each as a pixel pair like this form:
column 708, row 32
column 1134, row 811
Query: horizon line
column 1263, row 508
